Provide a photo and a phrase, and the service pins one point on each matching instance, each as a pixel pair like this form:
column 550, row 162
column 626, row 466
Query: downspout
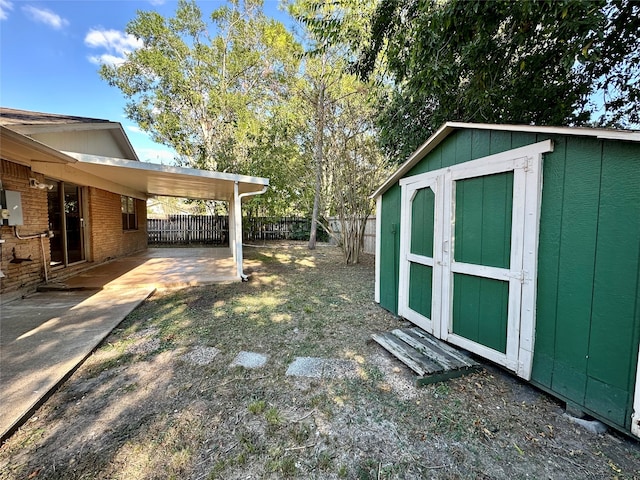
column 237, row 200
column 44, row 260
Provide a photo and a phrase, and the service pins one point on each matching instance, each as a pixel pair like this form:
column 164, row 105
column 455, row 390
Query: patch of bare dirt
column 161, row 398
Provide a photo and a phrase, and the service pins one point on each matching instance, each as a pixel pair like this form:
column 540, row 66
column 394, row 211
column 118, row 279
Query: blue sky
column 50, row 52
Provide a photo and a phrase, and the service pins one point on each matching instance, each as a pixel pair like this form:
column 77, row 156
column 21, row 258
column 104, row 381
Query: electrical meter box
column 13, row 207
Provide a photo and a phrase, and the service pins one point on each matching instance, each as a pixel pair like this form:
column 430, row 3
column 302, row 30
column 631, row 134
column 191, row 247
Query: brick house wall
column 103, row 224
column 107, row 238
column 34, row 209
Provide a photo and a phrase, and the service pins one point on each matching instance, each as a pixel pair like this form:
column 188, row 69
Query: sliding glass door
column 66, row 221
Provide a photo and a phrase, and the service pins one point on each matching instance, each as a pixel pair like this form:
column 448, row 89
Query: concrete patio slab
column 45, row 336
column 158, row 268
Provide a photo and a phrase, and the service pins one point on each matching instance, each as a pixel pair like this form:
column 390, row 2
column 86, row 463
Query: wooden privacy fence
column 369, row 241
column 214, row 229
column 187, row 229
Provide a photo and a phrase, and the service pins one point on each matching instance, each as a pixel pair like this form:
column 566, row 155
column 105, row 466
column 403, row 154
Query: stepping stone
column 201, row 355
column 249, row 360
column 321, row 368
column 306, row 367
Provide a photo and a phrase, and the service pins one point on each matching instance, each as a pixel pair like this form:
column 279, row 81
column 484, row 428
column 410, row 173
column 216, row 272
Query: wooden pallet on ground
column 432, row 359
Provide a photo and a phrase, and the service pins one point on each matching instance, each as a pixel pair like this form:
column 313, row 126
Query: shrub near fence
column 284, row 228
column 214, row 230
column 369, row 239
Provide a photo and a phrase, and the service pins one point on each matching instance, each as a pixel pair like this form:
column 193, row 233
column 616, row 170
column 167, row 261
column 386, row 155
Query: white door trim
column 635, row 416
column 378, row 247
column 526, row 163
column 409, row 188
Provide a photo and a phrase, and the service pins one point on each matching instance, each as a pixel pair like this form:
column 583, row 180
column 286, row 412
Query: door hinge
column 521, row 276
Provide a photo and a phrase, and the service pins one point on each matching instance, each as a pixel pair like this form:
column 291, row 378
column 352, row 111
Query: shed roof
column 445, row 130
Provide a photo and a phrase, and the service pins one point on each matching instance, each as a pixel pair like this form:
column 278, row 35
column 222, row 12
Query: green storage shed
column 521, row 244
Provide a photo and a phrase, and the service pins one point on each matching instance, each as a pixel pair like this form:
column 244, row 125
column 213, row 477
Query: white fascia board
column 601, row 133
column 68, row 173
column 122, row 139
column 64, row 127
column 433, row 141
column 154, row 167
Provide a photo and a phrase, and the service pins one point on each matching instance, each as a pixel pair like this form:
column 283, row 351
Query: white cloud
column 116, row 43
column 45, row 16
column 156, row 2
column 135, row 129
column 5, row 6
column 106, row 59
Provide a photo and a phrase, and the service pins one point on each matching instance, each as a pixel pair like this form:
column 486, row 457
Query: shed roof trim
column 443, row 132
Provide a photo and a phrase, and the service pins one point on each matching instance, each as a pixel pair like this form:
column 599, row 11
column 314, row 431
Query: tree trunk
column 352, row 235
column 318, row 159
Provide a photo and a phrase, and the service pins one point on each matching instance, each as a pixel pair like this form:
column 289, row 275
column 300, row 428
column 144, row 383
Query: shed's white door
column 419, row 284
column 474, row 284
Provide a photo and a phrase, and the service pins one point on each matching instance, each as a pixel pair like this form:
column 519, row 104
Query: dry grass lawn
column 160, row 399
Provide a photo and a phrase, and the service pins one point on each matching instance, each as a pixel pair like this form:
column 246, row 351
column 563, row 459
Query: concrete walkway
column 44, row 337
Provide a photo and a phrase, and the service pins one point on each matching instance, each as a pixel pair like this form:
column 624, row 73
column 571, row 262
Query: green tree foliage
column 340, row 145
column 215, row 91
column 614, row 64
column 238, row 93
column 355, row 165
column 530, row 61
column 277, row 153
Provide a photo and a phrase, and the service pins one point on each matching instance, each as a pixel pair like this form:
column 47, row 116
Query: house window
column 129, row 217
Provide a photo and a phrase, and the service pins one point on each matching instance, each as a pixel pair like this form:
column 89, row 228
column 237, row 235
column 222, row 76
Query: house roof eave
column 30, row 123
column 16, row 147
column 154, row 179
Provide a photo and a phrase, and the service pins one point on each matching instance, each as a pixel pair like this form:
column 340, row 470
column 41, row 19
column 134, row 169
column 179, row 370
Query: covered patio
column 143, row 180
column 132, row 178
